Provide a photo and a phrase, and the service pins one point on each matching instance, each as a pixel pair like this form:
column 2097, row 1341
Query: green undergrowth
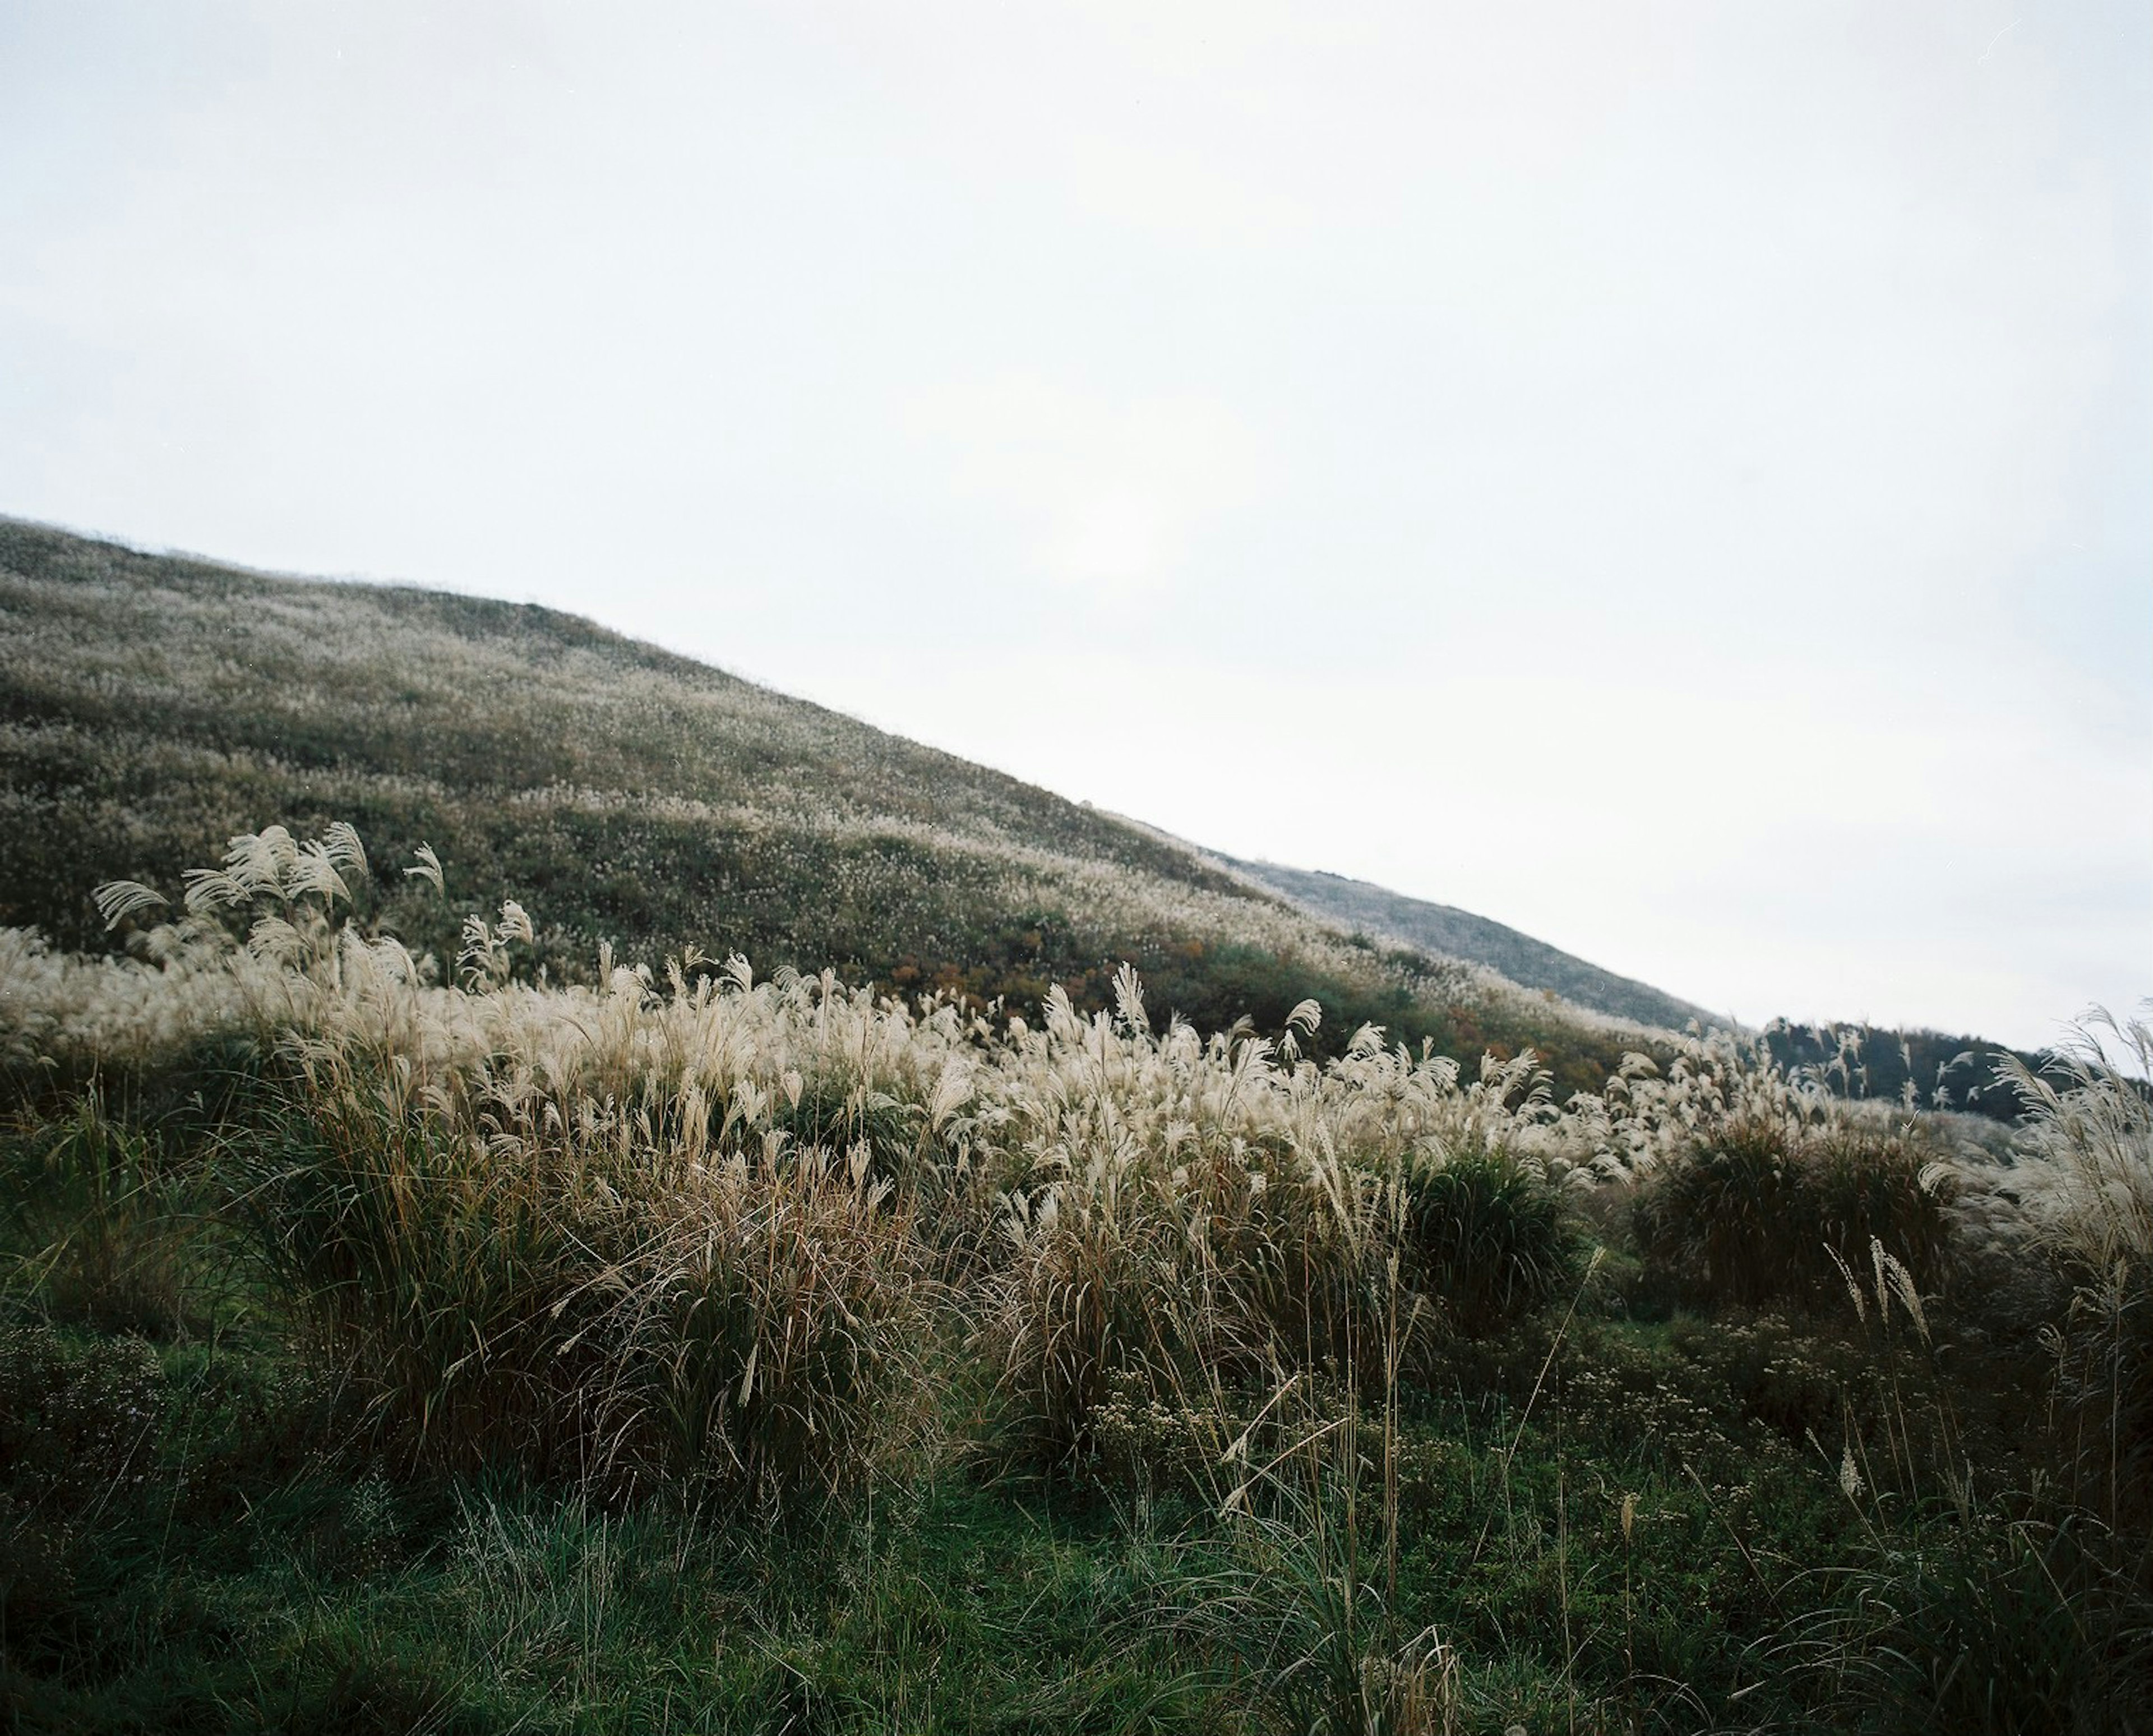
column 261, row 1579
column 1573, row 1519
column 379, row 1353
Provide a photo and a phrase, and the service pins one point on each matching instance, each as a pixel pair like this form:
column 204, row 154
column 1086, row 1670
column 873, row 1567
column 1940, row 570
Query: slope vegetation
column 1438, row 929
column 151, row 707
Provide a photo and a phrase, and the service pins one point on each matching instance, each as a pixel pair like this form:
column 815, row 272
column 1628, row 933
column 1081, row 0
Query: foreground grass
column 381, row 1354
column 257, row 1577
column 229, row 1595
column 1610, row 1525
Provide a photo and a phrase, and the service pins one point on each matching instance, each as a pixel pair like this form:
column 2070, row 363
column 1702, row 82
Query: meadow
column 403, row 1334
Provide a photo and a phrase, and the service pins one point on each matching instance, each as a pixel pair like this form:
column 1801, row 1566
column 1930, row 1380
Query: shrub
column 1865, row 1185
column 1763, row 1211
column 584, row 1301
column 77, row 1420
column 1489, row 1234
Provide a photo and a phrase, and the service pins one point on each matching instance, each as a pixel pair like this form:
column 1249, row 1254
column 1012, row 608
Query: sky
column 1674, row 478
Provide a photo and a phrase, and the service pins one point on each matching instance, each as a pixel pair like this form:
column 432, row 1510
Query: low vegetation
column 151, row 707
column 404, row 1340
column 1359, row 908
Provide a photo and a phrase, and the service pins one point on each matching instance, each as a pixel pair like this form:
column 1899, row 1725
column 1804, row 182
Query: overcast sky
column 1674, row 478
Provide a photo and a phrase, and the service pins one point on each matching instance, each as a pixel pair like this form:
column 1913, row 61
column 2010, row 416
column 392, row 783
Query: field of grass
column 469, row 1344
column 151, row 707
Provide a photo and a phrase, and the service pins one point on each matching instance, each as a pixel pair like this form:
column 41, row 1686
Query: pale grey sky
column 1676, row 478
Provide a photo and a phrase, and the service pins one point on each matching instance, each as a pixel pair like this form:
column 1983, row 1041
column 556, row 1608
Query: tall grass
column 690, row 1230
column 592, row 1300
column 1755, row 1187
column 2087, row 1179
column 2013, row 1612
column 105, row 1221
column 1489, row 1234
column 1186, row 1210
column 479, row 1189
column 2021, row 1625
column 563, row 1237
column 1306, row 1598
column 2089, row 1140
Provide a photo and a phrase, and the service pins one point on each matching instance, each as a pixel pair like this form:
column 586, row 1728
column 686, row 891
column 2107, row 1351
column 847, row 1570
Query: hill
column 1939, row 1069
column 1853, row 1060
column 1361, row 907
column 151, row 706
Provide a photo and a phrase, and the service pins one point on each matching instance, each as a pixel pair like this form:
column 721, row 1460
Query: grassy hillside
column 1358, row 906
column 1859, row 1061
column 508, row 1346
column 151, row 707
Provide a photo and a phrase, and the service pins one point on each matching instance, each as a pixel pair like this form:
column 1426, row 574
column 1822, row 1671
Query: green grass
column 1759, row 1211
column 1625, row 1526
column 752, row 1355
column 265, row 1576
column 1491, row 1236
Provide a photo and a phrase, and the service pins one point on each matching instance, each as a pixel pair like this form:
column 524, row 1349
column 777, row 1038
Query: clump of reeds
column 1175, row 1231
column 103, row 1220
column 1488, row 1235
column 2005, row 1613
column 1759, row 1210
column 2088, row 1136
column 2086, row 1178
column 563, row 1237
column 586, row 1298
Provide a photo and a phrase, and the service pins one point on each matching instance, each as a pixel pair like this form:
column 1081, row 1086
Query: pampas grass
column 1755, row 1186
column 478, row 1190
column 1131, row 1204
column 753, row 1242
column 2086, row 1177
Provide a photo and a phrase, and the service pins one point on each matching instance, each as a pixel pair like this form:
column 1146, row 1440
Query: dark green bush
column 835, row 1118
column 1755, row 1213
column 77, row 1420
column 1489, row 1236
column 1865, row 1185
column 1720, row 1213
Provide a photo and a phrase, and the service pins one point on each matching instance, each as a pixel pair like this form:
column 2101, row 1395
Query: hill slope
column 152, row 705
column 1358, row 906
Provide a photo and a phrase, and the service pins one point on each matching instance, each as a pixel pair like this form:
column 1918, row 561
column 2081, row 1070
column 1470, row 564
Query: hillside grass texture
column 393, row 1349
column 151, row 707
column 1359, row 908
